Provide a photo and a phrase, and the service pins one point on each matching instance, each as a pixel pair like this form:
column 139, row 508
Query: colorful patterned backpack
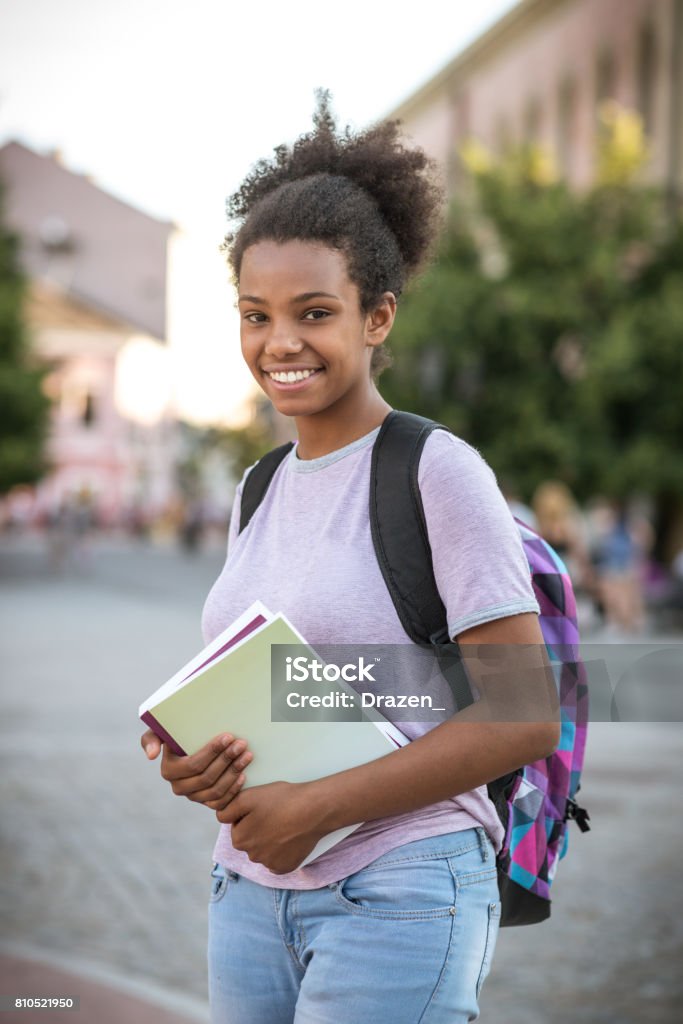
column 535, row 802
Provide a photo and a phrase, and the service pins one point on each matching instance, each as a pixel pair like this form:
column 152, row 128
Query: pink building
column 97, row 272
column 541, row 71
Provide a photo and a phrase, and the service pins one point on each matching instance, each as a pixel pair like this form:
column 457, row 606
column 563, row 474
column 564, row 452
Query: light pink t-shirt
column 308, row 553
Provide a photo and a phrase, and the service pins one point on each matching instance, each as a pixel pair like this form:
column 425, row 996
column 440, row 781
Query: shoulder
column 245, row 474
column 480, row 566
column 459, row 490
column 240, row 485
column 448, row 456
column 236, row 511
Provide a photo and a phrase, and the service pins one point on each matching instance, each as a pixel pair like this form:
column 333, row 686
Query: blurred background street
column 102, row 867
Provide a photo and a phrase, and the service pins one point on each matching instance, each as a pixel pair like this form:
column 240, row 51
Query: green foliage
column 549, row 331
column 23, row 406
column 244, row 446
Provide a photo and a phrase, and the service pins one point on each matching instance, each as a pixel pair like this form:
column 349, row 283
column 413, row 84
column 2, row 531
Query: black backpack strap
column 258, row 481
column 399, row 530
column 399, row 534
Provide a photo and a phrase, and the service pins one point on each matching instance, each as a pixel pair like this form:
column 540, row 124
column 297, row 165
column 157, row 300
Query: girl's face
column 304, row 337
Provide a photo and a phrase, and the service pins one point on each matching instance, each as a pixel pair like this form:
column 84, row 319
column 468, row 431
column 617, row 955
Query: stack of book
column 227, row 688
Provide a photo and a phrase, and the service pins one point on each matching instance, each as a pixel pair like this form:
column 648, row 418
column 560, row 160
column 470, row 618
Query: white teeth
column 290, row 376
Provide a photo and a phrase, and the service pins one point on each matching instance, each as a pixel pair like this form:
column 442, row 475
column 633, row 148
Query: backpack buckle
column 440, row 638
column 579, row 814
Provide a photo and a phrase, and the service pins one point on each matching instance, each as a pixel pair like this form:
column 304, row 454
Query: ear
column 380, row 320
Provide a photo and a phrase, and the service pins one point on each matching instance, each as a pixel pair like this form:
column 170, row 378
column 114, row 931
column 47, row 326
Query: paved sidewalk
column 113, row 1001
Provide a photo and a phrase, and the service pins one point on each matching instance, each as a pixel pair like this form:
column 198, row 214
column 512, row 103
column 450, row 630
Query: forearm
column 452, row 758
column 514, row 721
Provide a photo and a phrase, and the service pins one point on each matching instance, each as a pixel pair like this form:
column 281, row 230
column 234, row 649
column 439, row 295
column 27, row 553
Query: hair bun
column 402, row 181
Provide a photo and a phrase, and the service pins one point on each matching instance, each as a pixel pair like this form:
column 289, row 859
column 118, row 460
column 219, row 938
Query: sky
column 168, row 103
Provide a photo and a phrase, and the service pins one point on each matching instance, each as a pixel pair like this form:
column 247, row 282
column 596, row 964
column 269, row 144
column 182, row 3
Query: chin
column 294, row 407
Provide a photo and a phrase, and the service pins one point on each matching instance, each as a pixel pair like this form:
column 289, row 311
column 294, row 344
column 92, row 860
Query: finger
column 225, row 767
column 175, row 766
column 235, row 810
column 151, row 744
column 220, row 804
column 223, row 783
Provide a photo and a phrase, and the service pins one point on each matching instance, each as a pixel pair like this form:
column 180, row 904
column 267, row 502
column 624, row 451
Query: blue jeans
column 408, row 940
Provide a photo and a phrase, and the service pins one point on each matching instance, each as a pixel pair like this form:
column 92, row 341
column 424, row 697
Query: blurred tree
column 246, row 445
column 24, row 407
column 549, row 330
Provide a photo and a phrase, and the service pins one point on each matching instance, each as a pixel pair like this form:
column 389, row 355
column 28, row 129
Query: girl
column 398, row 922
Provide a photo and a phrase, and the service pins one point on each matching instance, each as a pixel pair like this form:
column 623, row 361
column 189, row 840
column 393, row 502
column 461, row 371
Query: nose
column 282, row 341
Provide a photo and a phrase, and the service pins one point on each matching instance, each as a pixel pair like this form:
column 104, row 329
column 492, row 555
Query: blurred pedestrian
column 69, row 525
column 560, row 522
column 619, row 550
column 192, row 526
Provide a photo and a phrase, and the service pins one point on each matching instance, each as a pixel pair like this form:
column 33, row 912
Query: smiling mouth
column 293, row 380
column 291, row 376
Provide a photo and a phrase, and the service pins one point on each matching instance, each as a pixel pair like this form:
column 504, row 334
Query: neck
column 333, row 428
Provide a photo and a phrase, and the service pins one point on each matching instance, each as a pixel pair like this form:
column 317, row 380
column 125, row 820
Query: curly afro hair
column 366, row 194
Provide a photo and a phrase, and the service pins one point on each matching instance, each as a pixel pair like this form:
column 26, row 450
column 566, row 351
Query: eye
column 248, row 317
column 316, row 314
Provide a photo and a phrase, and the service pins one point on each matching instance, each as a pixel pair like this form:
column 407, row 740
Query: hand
column 275, row 825
column 211, row 776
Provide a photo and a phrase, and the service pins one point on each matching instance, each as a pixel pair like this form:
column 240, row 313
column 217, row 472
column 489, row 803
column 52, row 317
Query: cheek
column 249, row 349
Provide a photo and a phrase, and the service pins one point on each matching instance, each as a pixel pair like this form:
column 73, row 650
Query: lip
column 295, row 385
column 286, row 367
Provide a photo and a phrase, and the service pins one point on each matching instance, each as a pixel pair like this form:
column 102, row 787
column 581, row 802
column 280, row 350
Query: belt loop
column 483, row 845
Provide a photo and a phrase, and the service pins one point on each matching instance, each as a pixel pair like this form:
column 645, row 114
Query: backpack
column 535, row 802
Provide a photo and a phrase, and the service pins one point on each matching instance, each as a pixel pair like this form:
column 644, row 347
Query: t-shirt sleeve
column 479, row 563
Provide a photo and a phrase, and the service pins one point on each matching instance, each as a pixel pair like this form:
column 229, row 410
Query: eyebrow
column 304, row 297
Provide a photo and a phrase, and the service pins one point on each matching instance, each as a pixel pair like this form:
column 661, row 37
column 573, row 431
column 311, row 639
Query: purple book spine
column 149, row 719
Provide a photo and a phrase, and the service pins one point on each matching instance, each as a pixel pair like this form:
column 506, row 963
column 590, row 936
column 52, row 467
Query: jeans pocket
column 492, row 928
column 404, row 890
column 219, row 882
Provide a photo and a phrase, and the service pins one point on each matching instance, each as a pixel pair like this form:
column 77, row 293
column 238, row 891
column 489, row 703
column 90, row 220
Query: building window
column 566, row 117
column 88, row 414
column 78, row 402
column 646, row 71
column 56, row 235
